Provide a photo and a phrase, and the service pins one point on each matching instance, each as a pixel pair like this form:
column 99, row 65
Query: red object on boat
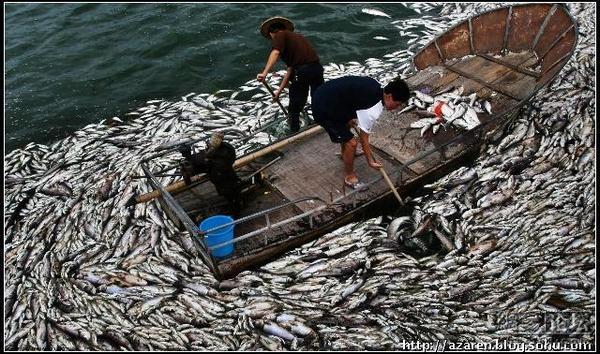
column 437, row 109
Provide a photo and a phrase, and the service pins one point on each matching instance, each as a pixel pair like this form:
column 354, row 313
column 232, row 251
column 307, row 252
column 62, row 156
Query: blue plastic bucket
column 219, row 235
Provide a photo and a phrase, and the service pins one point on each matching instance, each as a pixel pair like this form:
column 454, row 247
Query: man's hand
column 261, row 77
column 276, row 95
column 376, row 165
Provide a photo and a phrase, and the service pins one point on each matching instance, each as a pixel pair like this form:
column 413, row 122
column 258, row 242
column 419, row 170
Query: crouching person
column 217, row 162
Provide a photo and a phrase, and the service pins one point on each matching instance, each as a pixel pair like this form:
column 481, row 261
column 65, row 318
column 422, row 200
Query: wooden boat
column 505, row 56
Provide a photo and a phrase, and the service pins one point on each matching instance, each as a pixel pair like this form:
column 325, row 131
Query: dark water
column 69, row 65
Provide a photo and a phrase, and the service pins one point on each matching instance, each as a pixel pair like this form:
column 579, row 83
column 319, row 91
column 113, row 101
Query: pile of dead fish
column 448, row 108
column 499, row 250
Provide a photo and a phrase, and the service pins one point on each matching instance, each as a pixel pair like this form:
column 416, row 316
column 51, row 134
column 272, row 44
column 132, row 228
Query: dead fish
column 472, row 98
column 105, row 188
column 408, row 108
column 482, row 248
column 423, row 97
column 425, row 128
column 349, row 290
column 375, row 13
column 471, row 118
column 418, row 103
column 444, row 240
column 458, row 112
column 488, row 106
column 445, row 108
column 274, row 329
column 174, row 143
column 469, row 175
column 423, row 122
column 424, row 114
column 423, row 227
column 58, row 189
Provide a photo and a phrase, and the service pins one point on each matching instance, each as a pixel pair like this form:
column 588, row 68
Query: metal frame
column 269, row 226
column 201, row 249
column 573, row 22
column 489, row 85
column 471, row 36
column 509, row 65
column 439, row 51
column 556, row 62
column 541, row 57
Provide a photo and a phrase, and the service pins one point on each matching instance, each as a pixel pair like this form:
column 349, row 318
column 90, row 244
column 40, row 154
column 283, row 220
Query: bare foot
column 351, row 180
column 354, row 183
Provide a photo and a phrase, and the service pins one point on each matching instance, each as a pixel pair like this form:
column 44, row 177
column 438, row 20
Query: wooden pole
column 385, row 176
column 273, row 94
column 391, row 185
column 177, row 186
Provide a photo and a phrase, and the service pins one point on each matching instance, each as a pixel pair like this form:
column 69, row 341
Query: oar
column 386, row 177
column 273, row 94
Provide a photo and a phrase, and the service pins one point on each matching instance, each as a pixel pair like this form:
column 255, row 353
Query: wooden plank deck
column 392, row 132
column 312, row 168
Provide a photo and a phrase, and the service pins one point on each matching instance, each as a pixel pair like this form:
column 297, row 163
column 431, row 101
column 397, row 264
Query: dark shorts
column 338, row 131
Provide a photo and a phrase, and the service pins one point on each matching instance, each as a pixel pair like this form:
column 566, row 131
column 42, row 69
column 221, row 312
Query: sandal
column 356, row 185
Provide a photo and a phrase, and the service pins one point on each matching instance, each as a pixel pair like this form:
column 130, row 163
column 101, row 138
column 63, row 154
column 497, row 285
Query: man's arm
column 273, row 57
column 284, row 82
column 364, row 141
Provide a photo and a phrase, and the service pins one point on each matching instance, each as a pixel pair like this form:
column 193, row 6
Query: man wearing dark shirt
column 355, row 101
column 217, row 162
column 303, row 67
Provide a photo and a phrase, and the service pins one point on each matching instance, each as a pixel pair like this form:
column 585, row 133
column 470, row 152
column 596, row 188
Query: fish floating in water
column 376, row 13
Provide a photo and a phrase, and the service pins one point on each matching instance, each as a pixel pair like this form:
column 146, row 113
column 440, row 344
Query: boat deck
column 316, row 170
column 393, row 135
column 312, row 167
column 319, row 173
